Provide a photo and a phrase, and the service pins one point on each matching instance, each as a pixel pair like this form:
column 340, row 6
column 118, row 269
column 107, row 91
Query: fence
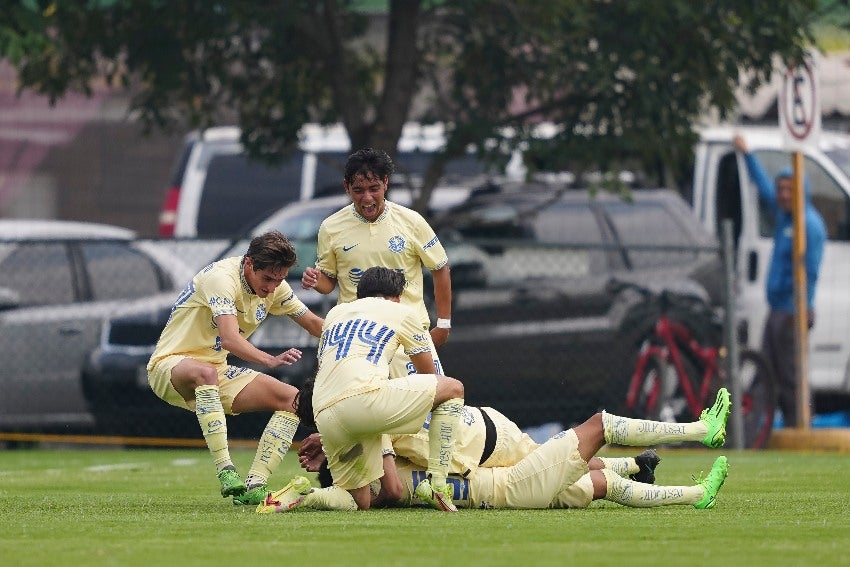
column 536, row 334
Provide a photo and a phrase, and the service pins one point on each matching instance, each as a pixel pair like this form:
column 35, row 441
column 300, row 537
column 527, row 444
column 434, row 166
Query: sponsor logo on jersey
column 349, row 247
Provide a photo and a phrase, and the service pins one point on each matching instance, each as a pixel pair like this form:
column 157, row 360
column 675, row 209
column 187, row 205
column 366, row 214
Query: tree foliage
column 621, row 81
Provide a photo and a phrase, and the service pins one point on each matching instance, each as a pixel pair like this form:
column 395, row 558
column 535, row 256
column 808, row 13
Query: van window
column 239, row 192
column 565, row 223
column 827, row 196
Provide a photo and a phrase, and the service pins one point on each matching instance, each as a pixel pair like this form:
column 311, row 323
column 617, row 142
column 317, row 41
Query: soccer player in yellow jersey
column 373, row 231
column 216, row 313
column 563, row 472
column 354, row 402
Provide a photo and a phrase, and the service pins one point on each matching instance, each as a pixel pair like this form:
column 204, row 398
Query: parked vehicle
column 218, row 191
column 58, row 281
column 722, row 189
column 545, row 340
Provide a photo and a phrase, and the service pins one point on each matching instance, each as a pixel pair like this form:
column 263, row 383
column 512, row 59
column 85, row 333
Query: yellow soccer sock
column 623, row 466
column 644, row 433
column 441, row 440
column 331, row 498
column 639, row 495
column 213, row 424
column 274, row 444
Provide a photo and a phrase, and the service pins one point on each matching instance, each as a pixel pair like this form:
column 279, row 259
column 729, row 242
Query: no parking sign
column 799, row 106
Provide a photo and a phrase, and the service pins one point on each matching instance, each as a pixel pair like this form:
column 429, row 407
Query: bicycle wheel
column 653, row 396
column 758, row 400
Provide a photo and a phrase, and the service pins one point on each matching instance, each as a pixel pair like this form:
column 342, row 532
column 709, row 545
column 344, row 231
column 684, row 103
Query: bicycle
column 681, row 363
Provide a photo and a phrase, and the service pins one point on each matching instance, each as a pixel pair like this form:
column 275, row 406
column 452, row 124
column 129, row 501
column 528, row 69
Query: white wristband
column 444, row 323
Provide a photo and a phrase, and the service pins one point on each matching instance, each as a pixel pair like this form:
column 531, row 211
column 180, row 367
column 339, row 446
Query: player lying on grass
column 556, row 474
column 485, row 438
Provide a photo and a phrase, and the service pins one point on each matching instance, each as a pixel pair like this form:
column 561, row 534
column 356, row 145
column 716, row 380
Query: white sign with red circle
column 799, row 106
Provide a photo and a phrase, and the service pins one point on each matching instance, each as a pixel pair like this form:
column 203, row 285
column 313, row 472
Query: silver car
column 59, row 281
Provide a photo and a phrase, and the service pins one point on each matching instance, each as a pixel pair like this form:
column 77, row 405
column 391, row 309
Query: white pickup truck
column 722, row 189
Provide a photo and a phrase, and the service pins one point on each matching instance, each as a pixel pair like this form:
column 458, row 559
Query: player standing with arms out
column 373, row 231
column 216, row 313
column 355, row 403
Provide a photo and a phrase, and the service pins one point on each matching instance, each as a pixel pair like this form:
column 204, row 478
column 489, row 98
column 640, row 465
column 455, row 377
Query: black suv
column 544, row 339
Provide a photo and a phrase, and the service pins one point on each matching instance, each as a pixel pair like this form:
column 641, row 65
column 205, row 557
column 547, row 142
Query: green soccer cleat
column 437, row 499
column 711, row 484
column 231, row 483
column 646, row 462
column 251, row 497
column 715, row 419
column 287, row 498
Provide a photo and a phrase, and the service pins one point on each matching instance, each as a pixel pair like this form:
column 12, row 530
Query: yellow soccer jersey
column 399, row 239
column 469, row 443
column 219, row 289
column 357, row 343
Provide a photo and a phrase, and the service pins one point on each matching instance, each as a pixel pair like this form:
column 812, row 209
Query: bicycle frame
column 664, row 344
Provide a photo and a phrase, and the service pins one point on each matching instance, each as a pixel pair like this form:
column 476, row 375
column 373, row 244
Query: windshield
column 842, row 159
column 298, row 223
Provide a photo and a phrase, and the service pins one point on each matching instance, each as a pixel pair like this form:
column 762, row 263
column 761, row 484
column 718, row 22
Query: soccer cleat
column 715, row 419
column 289, row 497
column 438, row 499
column 251, row 497
column 646, row 461
column 231, row 483
column 711, row 484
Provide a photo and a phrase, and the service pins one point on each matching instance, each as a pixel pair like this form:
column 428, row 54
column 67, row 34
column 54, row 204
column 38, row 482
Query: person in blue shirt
column 778, row 338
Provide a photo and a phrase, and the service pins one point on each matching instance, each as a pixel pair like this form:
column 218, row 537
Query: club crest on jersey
column 261, row 312
column 396, row 244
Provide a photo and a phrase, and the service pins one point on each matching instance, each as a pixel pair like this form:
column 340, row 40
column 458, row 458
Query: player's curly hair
column 303, row 403
column 370, row 163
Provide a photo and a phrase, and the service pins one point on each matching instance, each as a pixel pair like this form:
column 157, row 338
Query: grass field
column 81, row 507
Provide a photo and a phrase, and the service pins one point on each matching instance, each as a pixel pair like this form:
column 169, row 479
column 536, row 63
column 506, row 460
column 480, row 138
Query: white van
column 217, row 191
column 719, row 193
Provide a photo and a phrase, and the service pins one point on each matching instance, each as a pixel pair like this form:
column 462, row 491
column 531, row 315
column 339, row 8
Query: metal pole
column 731, row 335
column 801, row 306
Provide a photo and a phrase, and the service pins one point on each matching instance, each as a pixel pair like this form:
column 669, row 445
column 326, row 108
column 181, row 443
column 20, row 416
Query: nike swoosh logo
column 347, row 248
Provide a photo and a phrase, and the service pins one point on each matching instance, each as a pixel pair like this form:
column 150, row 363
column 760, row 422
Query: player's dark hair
column 370, row 163
column 325, row 477
column 271, row 250
column 378, row 281
column 303, row 403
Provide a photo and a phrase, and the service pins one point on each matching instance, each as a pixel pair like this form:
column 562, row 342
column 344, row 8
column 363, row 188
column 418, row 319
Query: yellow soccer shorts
column 231, row 380
column 537, row 480
column 351, row 429
column 512, row 445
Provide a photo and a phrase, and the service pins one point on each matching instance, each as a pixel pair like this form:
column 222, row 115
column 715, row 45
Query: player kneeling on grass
column 557, row 474
column 354, row 402
column 216, row 313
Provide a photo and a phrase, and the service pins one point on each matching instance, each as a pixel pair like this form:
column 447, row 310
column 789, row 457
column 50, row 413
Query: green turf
column 81, row 507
